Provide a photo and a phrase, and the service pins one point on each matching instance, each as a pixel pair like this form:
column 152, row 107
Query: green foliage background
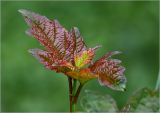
column 130, row 27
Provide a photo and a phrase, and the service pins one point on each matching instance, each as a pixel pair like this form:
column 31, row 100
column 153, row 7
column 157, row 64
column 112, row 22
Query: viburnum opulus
column 65, row 52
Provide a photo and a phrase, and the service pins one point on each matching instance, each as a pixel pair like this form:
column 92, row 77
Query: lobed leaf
column 110, row 72
column 53, row 36
column 49, row 33
column 66, row 52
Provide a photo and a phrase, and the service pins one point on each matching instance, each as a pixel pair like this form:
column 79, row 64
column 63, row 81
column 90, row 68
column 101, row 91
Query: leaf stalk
column 73, row 93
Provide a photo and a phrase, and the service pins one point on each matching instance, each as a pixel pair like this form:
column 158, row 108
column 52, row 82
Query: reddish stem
column 70, row 92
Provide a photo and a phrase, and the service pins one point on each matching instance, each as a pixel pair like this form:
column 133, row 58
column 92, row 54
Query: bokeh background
column 130, row 27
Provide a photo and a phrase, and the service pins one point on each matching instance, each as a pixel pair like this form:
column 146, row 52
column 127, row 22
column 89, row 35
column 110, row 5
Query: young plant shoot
column 65, row 52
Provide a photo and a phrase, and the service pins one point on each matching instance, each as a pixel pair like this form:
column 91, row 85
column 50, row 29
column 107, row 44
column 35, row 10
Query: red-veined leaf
column 79, row 44
column 50, row 62
column 53, row 36
column 49, row 33
column 66, row 52
column 110, row 72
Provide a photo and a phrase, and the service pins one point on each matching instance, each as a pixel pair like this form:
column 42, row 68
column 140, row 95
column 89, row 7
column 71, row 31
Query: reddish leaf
column 79, row 44
column 49, row 33
column 106, row 56
column 110, row 72
column 66, row 52
column 53, row 36
column 50, row 61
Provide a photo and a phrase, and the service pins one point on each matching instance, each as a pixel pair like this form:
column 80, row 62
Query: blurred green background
column 130, row 27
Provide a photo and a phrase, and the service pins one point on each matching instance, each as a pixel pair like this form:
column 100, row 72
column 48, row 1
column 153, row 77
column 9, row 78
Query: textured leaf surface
column 110, row 72
column 53, row 36
column 77, row 40
column 66, row 52
column 95, row 102
column 47, row 32
column 144, row 100
column 84, row 57
column 50, row 62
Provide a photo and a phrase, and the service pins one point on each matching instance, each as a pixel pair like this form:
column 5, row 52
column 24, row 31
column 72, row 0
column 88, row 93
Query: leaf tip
column 76, row 31
column 97, row 47
column 31, row 51
column 34, row 51
column 117, row 52
column 26, row 13
column 29, row 32
column 122, row 87
column 22, row 11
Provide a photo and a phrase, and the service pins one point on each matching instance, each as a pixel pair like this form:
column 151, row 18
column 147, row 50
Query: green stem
column 73, row 107
column 73, row 94
column 77, row 93
column 75, row 99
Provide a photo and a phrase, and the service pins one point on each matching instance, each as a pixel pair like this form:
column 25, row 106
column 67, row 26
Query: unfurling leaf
column 84, row 57
column 144, row 100
column 110, row 72
column 66, row 52
column 95, row 102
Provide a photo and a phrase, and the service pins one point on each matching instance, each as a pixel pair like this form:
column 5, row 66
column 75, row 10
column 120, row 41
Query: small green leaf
column 81, row 60
column 84, row 57
column 144, row 100
column 95, row 102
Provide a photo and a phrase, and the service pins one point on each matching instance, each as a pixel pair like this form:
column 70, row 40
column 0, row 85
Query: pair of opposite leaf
column 66, row 52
